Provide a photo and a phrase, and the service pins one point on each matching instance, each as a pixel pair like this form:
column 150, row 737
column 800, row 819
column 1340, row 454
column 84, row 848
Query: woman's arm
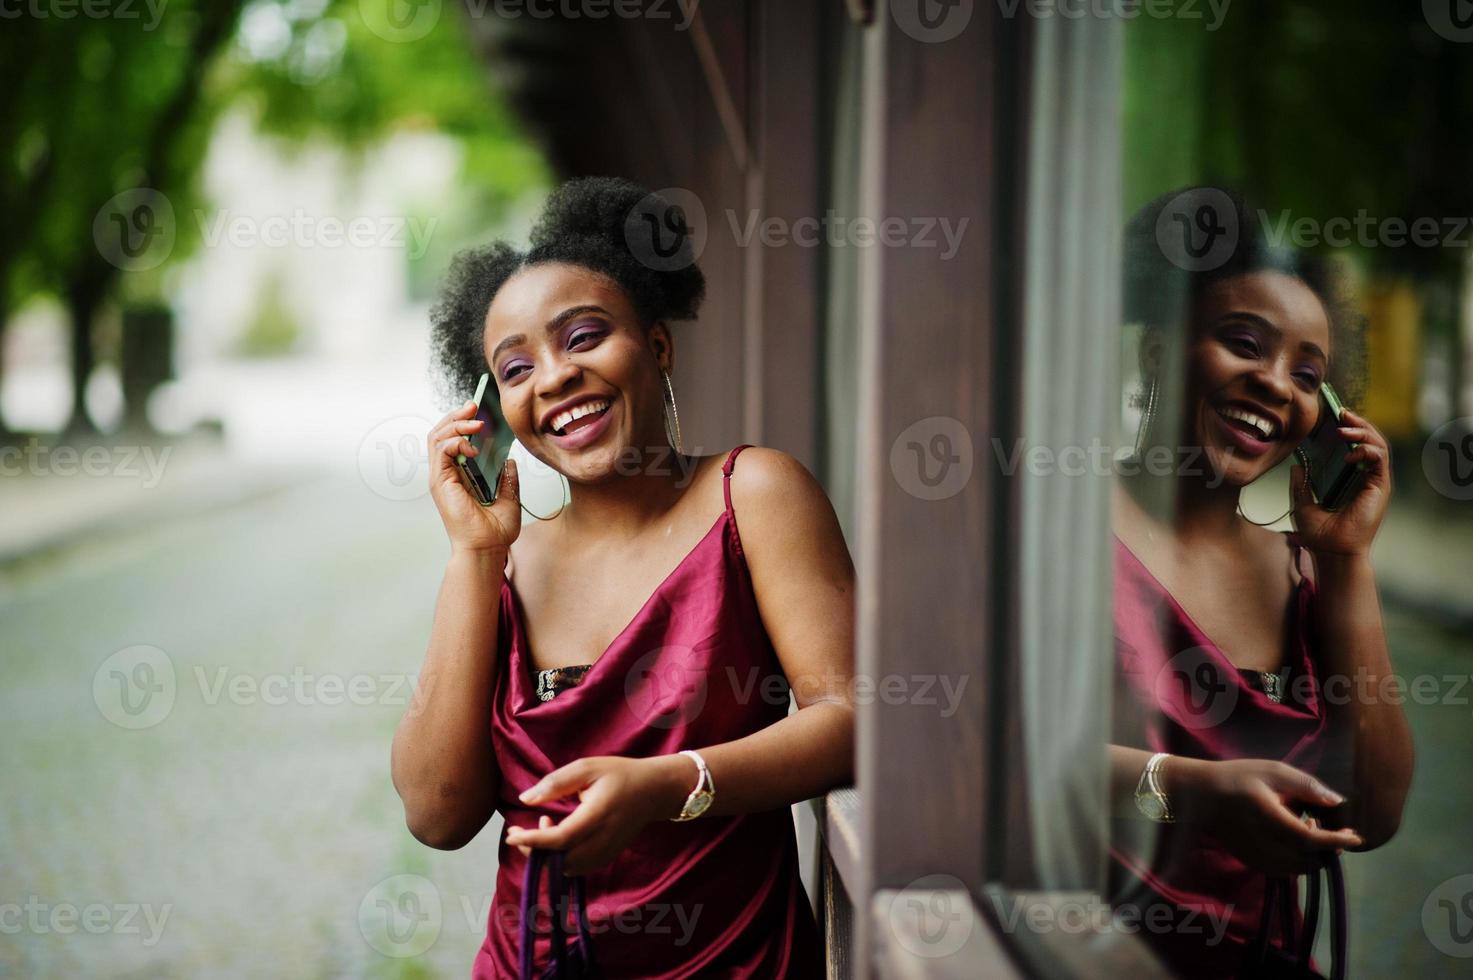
column 804, row 583
column 442, row 760
column 1244, row 804
column 1371, row 727
column 1362, row 694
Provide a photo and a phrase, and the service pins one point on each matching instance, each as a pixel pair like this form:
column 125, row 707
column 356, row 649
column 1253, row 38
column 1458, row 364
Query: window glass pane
column 1296, row 204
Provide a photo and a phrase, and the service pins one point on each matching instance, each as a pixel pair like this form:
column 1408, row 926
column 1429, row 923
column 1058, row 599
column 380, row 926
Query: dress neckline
column 1290, row 626
column 518, row 645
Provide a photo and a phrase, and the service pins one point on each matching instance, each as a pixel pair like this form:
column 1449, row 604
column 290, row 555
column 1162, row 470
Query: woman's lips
column 585, row 434
column 1241, row 440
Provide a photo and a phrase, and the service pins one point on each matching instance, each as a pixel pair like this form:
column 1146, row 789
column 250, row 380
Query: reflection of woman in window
column 596, row 676
column 1245, row 656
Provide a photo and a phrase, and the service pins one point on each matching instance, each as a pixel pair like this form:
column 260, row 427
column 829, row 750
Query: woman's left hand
column 1349, row 530
column 617, row 796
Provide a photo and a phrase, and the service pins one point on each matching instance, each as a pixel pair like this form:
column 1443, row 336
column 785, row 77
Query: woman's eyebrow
column 552, row 326
column 1308, row 346
column 1312, row 348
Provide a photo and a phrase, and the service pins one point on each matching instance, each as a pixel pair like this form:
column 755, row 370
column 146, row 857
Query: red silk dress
column 1177, row 692
column 715, row 896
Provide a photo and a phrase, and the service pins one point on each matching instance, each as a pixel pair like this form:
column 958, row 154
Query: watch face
column 1151, row 807
column 698, row 806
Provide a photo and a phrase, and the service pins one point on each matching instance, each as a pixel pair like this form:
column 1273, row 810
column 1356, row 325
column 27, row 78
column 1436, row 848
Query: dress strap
column 726, row 469
column 1297, row 550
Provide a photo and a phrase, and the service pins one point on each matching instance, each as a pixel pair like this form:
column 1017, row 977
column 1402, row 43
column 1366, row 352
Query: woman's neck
column 625, row 505
column 1188, row 507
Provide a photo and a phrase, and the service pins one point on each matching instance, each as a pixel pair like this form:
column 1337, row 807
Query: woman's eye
column 583, row 338
column 1309, row 379
column 1247, row 345
column 512, row 371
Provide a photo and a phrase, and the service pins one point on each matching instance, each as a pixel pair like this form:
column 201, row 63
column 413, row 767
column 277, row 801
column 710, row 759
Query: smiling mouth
column 578, row 417
column 1250, row 423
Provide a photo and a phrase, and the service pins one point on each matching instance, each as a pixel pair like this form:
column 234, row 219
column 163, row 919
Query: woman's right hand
column 471, row 526
column 1251, row 807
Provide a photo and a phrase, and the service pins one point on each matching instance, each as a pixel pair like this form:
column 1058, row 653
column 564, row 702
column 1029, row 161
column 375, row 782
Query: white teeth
column 1264, row 426
column 577, row 412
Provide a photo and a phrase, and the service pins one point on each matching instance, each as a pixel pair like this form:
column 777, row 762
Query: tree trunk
column 83, row 298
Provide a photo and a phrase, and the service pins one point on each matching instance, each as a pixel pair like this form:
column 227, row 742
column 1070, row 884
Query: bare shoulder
column 765, row 478
column 782, row 511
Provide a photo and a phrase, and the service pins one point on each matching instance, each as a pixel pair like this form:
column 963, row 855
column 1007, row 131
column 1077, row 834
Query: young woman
column 602, row 677
column 1245, row 656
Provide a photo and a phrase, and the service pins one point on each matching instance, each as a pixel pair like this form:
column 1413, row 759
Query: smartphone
column 482, row 469
column 1323, row 453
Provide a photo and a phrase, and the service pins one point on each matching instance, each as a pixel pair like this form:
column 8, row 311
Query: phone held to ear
column 482, row 469
column 1323, row 452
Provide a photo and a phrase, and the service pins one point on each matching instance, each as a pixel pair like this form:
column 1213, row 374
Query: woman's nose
column 1275, row 380
column 557, row 376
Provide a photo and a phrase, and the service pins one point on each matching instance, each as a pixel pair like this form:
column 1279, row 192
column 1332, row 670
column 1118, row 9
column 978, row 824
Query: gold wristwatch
column 699, row 800
column 1150, row 799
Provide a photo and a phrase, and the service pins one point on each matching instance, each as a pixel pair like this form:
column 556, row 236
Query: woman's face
column 1258, row 353
column 577, row 372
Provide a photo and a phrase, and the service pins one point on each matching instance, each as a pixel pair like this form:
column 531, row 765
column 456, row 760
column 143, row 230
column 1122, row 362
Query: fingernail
column 1330, row 794
column 530, row 793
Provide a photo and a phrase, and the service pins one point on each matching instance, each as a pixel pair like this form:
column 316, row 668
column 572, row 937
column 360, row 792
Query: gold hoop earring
column 672, row 415
column 1148, row 415
column 1299, row 453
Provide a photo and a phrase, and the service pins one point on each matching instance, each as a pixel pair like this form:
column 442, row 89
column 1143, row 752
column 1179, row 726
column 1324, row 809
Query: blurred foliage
column 1322, row 107
column 97, row 105
column 317, row 69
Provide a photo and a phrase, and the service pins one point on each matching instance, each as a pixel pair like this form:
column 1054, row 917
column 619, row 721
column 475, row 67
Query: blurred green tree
column 101, row 106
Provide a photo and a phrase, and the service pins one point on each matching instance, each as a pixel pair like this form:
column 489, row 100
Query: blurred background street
column 218, row 556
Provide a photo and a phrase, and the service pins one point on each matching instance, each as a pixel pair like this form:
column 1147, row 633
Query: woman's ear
column 662, row 345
